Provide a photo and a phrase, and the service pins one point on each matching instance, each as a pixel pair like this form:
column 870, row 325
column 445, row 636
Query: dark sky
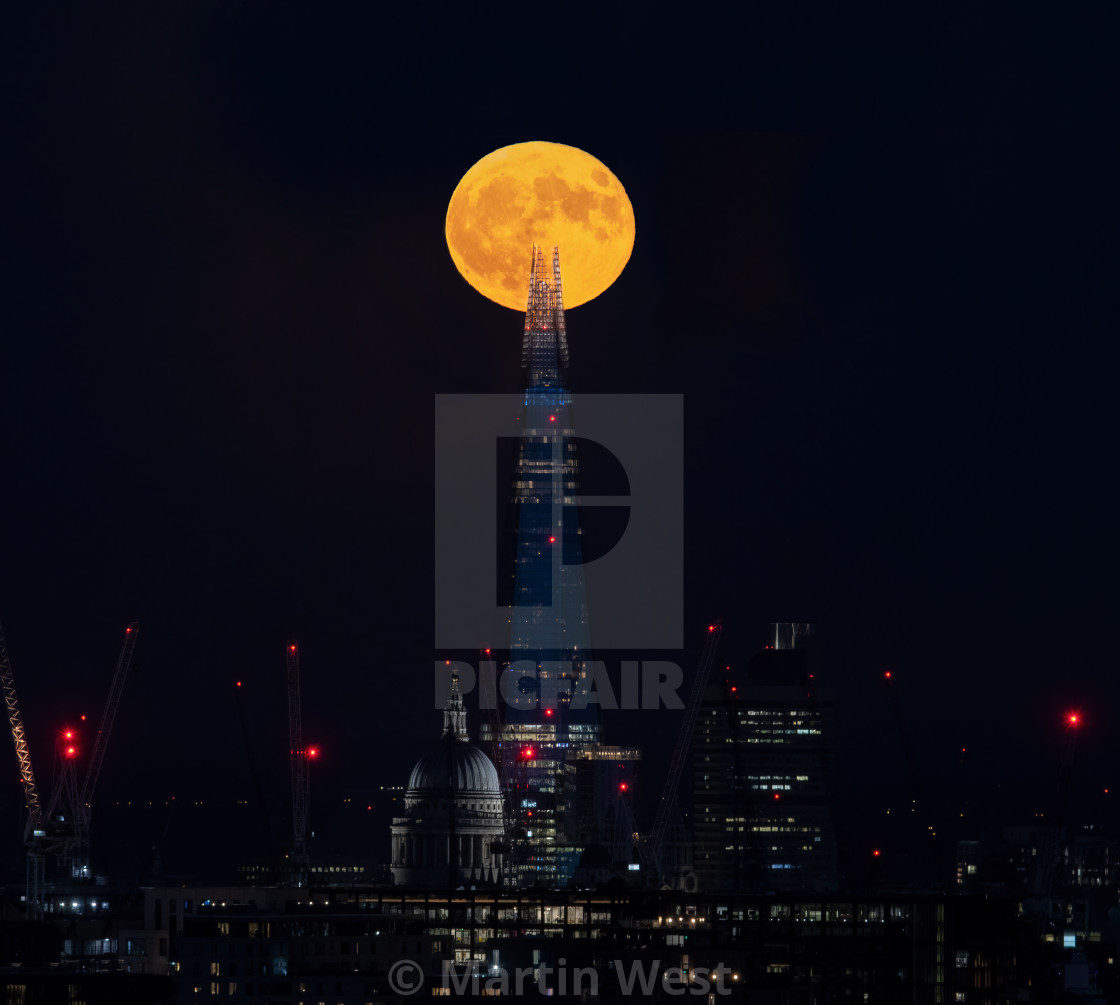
column 876, row 252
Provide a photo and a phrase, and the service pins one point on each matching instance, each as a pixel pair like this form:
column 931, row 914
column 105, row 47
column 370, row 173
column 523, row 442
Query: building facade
column 544, row 714
column 451, row 833
column 762, row 755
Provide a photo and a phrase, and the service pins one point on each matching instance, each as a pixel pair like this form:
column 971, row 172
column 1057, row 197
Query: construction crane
column 1051, row 843
column 63, row 833
column 266, row 832
column 84, row 806
column 300, row 775
column 34, row 830
column 656, row 837
column 510, row 764
column 917, row 790
column 920, row 821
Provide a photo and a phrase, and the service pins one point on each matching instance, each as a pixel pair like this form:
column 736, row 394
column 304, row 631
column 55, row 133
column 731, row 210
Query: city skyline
column 216, row 414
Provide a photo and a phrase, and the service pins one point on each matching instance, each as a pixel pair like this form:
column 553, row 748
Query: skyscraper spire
column 544, row 346
column 545, row 712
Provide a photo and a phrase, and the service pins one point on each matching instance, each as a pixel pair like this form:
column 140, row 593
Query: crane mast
column 680, row 754
column 1051, row 843
column 33, row 831
column 70, row 807
column 300, row 780
column 93, row 770
column 19, row 737
column 68, row 835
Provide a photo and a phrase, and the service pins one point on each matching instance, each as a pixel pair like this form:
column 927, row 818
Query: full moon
column 539, row 193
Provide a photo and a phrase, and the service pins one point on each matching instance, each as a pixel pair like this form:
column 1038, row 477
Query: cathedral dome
column 451, row 829
column 457, row 765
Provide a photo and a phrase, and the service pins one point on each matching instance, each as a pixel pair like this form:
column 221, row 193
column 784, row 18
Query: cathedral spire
column 454, row 714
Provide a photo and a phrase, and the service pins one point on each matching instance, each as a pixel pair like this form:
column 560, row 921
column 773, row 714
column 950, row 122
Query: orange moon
column 539, row 193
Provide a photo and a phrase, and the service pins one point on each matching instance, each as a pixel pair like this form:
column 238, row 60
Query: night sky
column 876, row 252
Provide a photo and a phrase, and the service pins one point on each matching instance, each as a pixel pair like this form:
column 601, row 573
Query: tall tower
column 544, row 687
column 762, row 756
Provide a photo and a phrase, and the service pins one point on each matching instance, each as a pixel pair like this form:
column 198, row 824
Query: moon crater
column 539, row 193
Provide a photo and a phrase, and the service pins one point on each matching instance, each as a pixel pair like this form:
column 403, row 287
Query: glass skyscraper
column 544, row 714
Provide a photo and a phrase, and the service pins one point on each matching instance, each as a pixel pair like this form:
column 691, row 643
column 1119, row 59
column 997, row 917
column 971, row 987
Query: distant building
column 451, row 833
column 377, row 946
column 762, row 757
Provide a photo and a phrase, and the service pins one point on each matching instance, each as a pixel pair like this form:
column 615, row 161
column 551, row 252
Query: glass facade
column 762, row 763
column 550, row 644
